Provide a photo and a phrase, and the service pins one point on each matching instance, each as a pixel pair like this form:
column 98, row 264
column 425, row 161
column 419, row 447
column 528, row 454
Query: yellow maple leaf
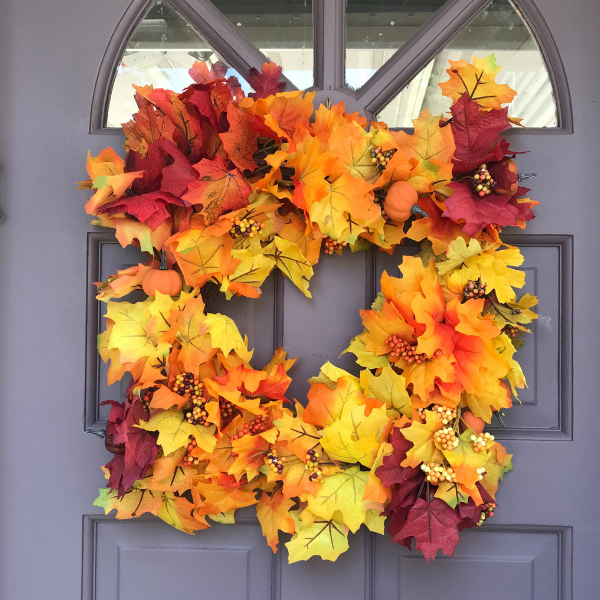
column 424, row 449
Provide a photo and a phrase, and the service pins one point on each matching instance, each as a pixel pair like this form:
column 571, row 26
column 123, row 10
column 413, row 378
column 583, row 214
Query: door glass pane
column 498, row 29
column 376, row 30
column 281, row 29
column 160, row 51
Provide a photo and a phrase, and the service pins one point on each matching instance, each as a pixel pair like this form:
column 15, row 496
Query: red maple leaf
column 179, row 173
column 218, row 189
column 140, row 446
column 201, row 72
column 477, row 134
column 433, row 524
column 479, row 212
column 201, row 97
column 265, row 83
column 151, row 208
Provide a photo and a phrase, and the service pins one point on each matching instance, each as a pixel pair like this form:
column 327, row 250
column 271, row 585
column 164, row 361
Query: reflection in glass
column 376, row 30
column 159, row 52
column 281, row 29
column 498, row 29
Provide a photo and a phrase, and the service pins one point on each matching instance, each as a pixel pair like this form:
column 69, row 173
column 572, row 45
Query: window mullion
column 330, row 41
column 415, row 54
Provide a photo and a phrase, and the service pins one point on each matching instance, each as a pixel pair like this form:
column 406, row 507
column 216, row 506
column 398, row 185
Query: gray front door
column 56, row 74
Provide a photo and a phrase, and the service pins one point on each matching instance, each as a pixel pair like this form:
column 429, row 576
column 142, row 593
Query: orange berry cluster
column 446, row 438
column 405, row 350
column 446, row 413
column 245, row 228
column 483, row 183
column 255, row 426
column 438, row 473
column 511, row 331
column 198, row 415
column 332, row 246
column 487, row 511
column 480, row 441
column 474, row 289
column 275, row 463
column 227, row 408
column 312, row 464
column 381, row 158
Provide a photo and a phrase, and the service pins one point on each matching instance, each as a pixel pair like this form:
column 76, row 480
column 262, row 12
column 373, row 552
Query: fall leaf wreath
column 219, row 189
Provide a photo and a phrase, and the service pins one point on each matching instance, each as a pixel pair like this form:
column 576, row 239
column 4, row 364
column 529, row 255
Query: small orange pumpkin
column 401, row 197
column 475, row 423
column 163, row 280
column 512, row 167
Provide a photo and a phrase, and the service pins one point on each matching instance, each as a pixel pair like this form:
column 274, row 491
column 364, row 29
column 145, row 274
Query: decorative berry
column 245, row 228
column 188, row 383
column 474, row 289
column 312, row 464
column 146, row 398
column 446, row 438
column 332, row 246
column 482, row 181
column 198, row 415
column 480, row 441
column 487, row 511
column 446, row 413
column 189, row 460
column 381, row 158
column 275, row 463
column 511, row 331
column 406, row 350
column 438, row 473
column 227, row 408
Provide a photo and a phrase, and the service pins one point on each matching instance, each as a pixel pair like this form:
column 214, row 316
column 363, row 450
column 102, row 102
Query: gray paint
column 543, row 541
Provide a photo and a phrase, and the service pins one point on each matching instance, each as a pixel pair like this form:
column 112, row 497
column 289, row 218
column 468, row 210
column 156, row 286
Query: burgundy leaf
column 265, row 83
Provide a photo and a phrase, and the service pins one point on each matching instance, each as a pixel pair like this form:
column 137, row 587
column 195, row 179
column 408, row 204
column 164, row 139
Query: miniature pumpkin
column 475, row 423
column 163, row 280
column 400, row 199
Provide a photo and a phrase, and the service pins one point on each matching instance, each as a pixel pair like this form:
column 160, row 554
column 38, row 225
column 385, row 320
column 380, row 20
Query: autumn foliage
column 222, row 189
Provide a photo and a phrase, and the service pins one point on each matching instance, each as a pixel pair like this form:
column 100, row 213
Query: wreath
column 220, row 189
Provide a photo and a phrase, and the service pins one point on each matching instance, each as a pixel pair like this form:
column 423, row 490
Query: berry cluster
column 275, row 463
column 255, row 426
column 446, row 413
column 187, row 383
column 245, row 228
column 446, row 438
column 480, row 473
column 312, row 464
column 406, row 350
column 487, row 511
column 380, row 201
column 332, row 246
column 227, row 408
column 188, row 459
column 438, row 473
column 511, row 331
column 483, row 183
column 146, row 398
column 480, row 441
column 381, row 158
column 198, row 415
column 474, row 289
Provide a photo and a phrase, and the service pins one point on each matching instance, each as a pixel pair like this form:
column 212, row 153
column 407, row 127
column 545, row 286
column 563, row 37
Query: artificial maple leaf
column 221, row 494
column 290, row 261
column 346, row 209
column 424, row 449
column 274, row 516
column 355, row 437
column 240, row 140
column 124, row 281
column 177, row 512
column 352, row 145
column 249, row 275
column 295, row 476
column 465, row 461
column 201, row 256
column 297, row 434
column 203, row 72
column 217, row 189
column 390, row 388
column 433, row 524
column 266, row 82
column 133, row 503
column 327, row 539
column 288, row 112
column 251, row 452
column 174, row 431
column 439, row 230
column 478, row 212
column 342, row 492
column 498, row 464
column 476, row 134
column 477, row 82
column 496, row 397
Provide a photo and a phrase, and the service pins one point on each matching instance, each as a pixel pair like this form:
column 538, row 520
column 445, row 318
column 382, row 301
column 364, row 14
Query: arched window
column 384, row 58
